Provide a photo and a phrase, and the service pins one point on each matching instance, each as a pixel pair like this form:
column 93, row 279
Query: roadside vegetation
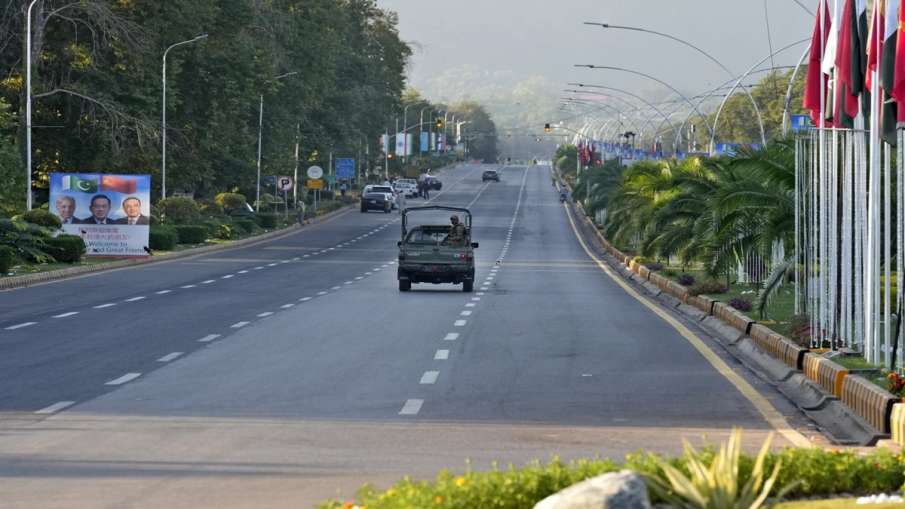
column 714, row 477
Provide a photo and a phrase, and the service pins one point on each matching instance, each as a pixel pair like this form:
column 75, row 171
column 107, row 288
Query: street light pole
column 261, row 139
column 405, row 136
column 163, row 130
column 28, row 104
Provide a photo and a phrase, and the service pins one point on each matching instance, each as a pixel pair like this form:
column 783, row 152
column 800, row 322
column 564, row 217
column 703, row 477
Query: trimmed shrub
column 741, row 304
column 230, row 201
column 25, row 239
column 65, row 248
column 686, row 280
column 179, row 210
column 191, row 234
column 224, row 232
column 163, row 238
column 42, row 218
column 654, row 266
column 267, row 220
column 708, row 287
column 245, row 225
column 7, row 257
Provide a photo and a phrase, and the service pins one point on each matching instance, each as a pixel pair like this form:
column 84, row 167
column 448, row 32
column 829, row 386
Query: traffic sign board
column 314, row 184
column 315, row 172
column 284, row 183
column 345, row 168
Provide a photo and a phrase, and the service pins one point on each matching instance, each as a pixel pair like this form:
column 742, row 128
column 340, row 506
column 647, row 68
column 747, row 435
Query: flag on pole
column 874, row 42
column 832, row 39
column 846, row 100
column 887, row 70
column 815, row 74
column 897, row 90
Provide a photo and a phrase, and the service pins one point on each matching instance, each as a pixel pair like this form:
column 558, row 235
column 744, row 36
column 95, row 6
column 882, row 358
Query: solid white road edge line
column 54, row 408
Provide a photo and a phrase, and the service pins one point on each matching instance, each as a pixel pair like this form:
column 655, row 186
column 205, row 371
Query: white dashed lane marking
column 187, row 286
column 103, row 306
column 239, row 325
column 470, row 305
column 208, row 338
column 54, row 408
column 168, row 357
column 441, row 355
column 128, row 377
column 163, row 292
column 429, row 377
column 465, row 313
column 271, row 264
column 227, row 276
column 460, row 323
column 411, row 407
column 322, row 293
column 66, row 315
column 209, row 281
column 136, row 299
column 265, row 314
column 286, row 306
column 304, row 299
column 243, row 272
column 336, row 288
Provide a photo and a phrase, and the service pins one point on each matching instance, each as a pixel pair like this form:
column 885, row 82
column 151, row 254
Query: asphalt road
column 293, row 370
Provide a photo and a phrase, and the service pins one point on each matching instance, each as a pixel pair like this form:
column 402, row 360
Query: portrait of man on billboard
column 66, row 209
column 100, row 209
column 132, row 209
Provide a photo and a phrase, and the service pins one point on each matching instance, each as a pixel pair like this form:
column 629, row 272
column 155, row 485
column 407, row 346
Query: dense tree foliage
column 97, row 86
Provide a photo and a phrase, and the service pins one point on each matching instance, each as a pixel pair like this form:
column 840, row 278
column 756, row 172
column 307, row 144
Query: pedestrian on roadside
column 342, row 189
column 427, row 190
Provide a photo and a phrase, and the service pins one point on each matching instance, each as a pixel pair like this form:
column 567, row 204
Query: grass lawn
column 838, row 503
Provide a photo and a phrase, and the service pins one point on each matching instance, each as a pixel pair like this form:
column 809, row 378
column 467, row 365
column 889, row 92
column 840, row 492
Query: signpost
column 285, row 184
column 314, row 182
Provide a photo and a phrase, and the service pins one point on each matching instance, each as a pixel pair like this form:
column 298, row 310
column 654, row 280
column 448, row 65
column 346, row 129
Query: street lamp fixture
column 163, row 144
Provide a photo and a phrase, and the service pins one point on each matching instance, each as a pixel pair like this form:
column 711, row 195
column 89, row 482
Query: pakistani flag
column 75, row 183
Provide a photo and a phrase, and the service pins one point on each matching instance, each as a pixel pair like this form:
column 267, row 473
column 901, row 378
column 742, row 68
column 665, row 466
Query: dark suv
column 490, row 175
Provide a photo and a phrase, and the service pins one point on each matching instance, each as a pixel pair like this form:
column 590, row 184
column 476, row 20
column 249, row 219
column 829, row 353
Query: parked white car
column 408, row 187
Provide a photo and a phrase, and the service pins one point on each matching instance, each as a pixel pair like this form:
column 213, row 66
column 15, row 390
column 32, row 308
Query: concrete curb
column 28, row 280
column 840, row 423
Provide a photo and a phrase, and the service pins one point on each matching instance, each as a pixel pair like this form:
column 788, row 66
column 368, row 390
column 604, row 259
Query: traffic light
column 439, row 123
column 547, row 128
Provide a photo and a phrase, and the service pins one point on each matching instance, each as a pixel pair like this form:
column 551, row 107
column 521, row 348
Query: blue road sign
column 801, row 122
column 345, row 168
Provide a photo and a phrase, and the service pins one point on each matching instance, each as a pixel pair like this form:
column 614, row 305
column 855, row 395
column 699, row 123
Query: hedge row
column 809, row 472
column 65, row 248
column 7, row 256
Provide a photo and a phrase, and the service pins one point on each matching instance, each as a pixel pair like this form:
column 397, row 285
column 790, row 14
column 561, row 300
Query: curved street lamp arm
column 716, row 118
column 710, row 57
column 667, row 85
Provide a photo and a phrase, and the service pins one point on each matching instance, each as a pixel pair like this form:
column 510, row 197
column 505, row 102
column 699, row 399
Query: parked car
column 408, row 187
column 490, row 175
column 433, row 182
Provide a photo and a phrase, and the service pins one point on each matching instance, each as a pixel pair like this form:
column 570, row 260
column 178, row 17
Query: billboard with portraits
column 110, row 212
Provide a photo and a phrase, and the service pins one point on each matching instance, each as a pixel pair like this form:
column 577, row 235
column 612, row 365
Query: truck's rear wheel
column 468, row 285
column 405, row 285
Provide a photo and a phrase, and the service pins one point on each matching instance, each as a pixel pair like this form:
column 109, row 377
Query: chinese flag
column 118, row 184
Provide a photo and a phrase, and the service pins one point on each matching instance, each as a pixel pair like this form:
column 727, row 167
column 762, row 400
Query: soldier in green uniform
column 457, row 232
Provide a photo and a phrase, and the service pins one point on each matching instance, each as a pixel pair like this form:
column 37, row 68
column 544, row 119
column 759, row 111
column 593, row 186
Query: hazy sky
column 545, row 38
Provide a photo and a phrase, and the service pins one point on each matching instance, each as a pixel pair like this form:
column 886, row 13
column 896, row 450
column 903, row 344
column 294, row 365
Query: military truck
column 429, row 254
